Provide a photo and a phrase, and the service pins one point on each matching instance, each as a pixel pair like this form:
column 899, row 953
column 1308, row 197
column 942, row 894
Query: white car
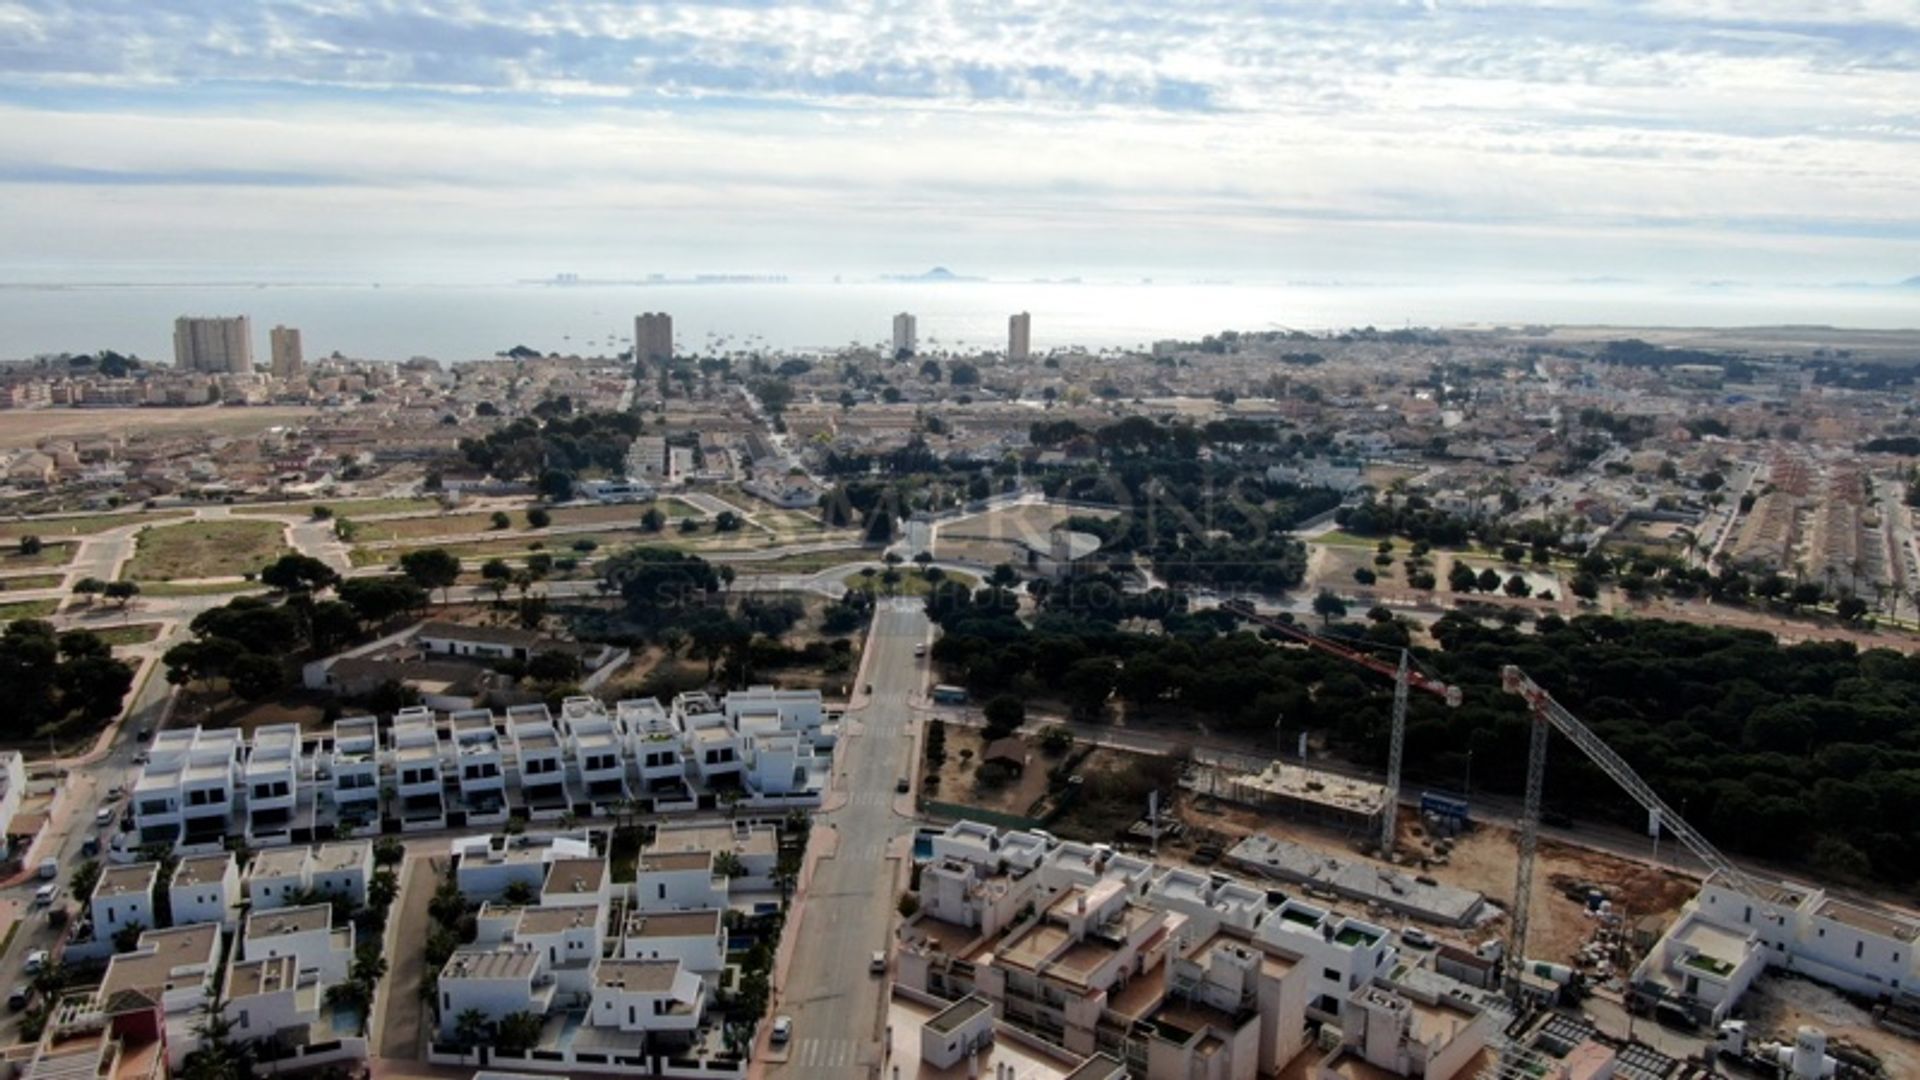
column 878, row 963
column 44, row 895
column 36, row 960
column 920, row 650
column 103, row 816
column 782, row 1029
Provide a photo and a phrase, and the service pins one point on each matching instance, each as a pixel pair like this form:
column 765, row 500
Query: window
column 1859, row 949
column 1330, row 975
column 1748, row 917
column 632, row 1015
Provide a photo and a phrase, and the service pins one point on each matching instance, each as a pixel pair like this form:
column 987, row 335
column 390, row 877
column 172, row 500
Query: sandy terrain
column 28, row 427
column 1776, row 1006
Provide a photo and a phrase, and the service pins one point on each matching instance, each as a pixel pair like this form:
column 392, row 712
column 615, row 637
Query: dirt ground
column 1776, row 1006
column 1482, row 860
column 1029, row 524
column 27, row 427
column 957, row 776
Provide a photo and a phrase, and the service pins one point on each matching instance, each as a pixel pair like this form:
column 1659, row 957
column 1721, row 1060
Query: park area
column 205, row 549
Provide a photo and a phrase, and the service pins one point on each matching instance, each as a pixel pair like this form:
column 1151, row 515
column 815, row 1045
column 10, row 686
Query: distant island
column 937, row 274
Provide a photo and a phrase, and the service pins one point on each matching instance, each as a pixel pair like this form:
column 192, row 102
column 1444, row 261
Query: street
column 834, row 1000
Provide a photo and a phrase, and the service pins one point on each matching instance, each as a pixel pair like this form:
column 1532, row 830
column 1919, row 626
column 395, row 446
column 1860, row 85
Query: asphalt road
column 835, row 1002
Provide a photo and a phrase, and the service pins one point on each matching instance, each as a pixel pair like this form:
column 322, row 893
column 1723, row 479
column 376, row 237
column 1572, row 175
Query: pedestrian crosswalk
column 872, row 797
column 824, row 1054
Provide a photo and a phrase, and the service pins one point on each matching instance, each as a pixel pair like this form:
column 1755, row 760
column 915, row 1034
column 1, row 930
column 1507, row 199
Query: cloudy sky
column 461, row 140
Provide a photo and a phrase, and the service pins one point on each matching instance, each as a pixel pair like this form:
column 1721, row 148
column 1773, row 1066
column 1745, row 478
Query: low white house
column 498, row 981
column 124, row 897
column 206, row 889
column 652, row 996
column 697, row 939
column 305, row 933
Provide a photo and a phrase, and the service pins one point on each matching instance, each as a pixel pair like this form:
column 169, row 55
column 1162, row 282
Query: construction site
column 1687, row 962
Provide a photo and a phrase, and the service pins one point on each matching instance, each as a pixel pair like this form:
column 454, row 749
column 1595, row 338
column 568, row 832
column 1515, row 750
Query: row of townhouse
column 214, row 888
column 623, row 977
column 763, row 748
column 1174, row 973
column 143, row 1017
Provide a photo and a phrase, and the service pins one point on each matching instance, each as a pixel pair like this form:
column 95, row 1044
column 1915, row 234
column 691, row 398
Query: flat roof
column 476, row 963
column 958, row 1013
column 639, row 976
column 678, row 860
column 343, row 855
column 1030, row 1059
column 1882, row 923
column 127, row 880
column 576, row 875
column 279, row 863
column 553, row 920
column 166, row 960
column 289, row 920
column 666, row 924
column 267, row 975
column 202, row 869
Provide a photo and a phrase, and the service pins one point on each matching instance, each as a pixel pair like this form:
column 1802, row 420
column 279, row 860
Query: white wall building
column 305, row 933
column 186, row 792
column 206, row 889
column 352, row 768
column 124, row 897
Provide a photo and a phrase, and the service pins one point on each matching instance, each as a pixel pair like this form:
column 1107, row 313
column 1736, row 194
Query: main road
column 849, row 904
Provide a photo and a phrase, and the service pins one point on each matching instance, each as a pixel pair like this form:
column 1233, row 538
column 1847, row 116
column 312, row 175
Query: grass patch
column 912, row 582
column 197, row 588
column 804, row 564
column 83, row 525
column 204, row 549
column 32, row 581
column 349, row 508
column 28, row 609
column 52, row 555
column 136, row 634
column 624, row 514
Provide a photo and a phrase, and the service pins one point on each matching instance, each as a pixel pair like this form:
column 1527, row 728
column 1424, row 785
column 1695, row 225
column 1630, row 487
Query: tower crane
column 1403, row 674
column 1550, row 714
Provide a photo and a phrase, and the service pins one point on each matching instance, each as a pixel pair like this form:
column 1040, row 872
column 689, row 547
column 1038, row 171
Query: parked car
column 782, row 1029
column 1417, row 937
column 49, row 869
column 36, row 960
column 920, row 649
column 103, row 817
column 44, row 894
column 144, row 734
column 19, row 998
column 902, row 785
column 878, row 963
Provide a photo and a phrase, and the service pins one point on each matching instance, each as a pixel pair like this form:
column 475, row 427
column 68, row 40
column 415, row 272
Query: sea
column 454, row 323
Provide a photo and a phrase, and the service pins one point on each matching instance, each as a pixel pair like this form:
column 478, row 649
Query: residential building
column 272, row 784
column 482, row 767
column 13, row 788
column 906, row 336
column 123, row 897
column 497, row 980
column 157, row 991
column 185, row 795
column 540, row 760
column 352, row 769
column 696, row 939
column 287, row 362
column 657, row 997
column 206, row 889
column 653, row 337
column 305, row 933
column 1019, row 336
column 274, row 999
column 219, row 343
column 414, row 752
column 594, row 745
column 569, row 938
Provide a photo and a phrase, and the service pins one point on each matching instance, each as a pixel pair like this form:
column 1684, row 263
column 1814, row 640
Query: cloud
column 1048, row 132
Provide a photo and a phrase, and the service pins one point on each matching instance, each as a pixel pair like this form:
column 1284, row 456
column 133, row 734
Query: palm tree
column 469, row 1028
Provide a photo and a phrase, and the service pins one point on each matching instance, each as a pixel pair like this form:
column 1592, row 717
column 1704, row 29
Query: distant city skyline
column 1762, row 141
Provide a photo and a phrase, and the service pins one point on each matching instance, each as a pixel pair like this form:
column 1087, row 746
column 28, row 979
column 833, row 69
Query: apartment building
column 287, row 360
column 906, row 334
column 218, row 344
column 413, row 751
column 1019, row 336
column 274, row 999
column 593, row 744
column 272, row 780
column 541, row 761
column 351, row 767
column 653, row 337
column 481, row 766
column 1725, row 938
column 186, row 793
column 279, row 878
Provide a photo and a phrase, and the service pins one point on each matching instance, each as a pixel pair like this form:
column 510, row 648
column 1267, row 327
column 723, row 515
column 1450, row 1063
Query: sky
column 470, row 141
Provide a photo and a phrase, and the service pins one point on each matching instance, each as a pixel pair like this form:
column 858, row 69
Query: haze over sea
column 455, row 323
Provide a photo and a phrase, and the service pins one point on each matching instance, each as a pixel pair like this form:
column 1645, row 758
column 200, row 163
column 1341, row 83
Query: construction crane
column 1550, row 714
column 1403, row 674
